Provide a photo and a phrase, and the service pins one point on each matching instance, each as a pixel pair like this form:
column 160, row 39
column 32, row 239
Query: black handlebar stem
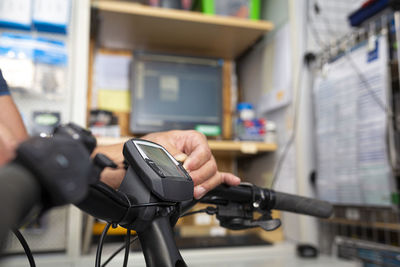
column 158, row 244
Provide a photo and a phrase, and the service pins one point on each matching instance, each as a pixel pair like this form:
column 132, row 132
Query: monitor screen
column 175, row 92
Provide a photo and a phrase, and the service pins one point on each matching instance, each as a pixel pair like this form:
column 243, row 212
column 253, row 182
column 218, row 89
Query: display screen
column 162, row 160
column 175, row 92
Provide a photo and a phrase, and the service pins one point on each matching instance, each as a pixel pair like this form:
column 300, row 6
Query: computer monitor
column 175, row 92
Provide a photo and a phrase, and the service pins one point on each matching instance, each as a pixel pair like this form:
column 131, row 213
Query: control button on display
column 155, row 168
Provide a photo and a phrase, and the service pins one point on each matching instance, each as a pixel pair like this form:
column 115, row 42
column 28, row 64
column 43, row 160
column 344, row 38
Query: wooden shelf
column 377, row 225
column 127, row 25
column 237, row 148
column 234, row 148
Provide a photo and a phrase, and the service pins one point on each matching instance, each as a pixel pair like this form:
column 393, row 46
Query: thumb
column 177, row 154
column 181, row 157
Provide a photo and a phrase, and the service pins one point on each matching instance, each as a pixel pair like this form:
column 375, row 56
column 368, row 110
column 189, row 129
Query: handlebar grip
column 269, row 200
column 302, row 205
column 19, row 193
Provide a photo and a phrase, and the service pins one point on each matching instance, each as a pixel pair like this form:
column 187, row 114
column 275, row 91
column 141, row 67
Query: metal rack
column 370, row 233
column 65, row 232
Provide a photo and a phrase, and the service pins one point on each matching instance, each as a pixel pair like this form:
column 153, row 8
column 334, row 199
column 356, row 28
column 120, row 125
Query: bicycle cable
column 26, row 247
column 152, row 204
column 193, row 212
column 209, row 210
column 118, row 251
column 127, row 243
column 127, row 246
column 100, row 245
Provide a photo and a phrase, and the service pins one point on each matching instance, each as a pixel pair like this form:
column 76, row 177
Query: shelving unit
column 240, row 148
column 124, row 26
column 168, row 30
column 165, row 31
column 377, row 225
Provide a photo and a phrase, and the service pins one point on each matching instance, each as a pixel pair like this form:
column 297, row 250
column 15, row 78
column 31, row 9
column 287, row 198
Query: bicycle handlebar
column 19, row 193
column 46, row 172
column 56, row 171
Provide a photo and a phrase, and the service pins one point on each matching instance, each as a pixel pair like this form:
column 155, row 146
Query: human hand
column 191, row 147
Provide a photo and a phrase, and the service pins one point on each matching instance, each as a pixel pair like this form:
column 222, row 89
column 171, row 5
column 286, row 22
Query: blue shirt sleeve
column 3, row 86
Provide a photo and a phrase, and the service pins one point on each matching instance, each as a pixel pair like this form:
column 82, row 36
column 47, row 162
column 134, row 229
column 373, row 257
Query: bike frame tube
column 158, row 244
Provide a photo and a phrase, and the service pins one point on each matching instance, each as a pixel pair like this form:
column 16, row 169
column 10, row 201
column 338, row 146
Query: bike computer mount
column 164, row 176
column 155, row 185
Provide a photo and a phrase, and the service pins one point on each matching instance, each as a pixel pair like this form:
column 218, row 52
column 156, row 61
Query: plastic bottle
column 270, row 135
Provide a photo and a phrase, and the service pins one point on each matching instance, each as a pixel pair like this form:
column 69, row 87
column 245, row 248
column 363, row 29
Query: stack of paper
column 351, row 128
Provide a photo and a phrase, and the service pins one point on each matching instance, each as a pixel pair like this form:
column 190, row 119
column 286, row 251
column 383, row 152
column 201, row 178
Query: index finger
column 196, row 147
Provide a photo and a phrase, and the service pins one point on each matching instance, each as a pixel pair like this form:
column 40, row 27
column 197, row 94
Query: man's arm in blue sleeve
column 3, row 86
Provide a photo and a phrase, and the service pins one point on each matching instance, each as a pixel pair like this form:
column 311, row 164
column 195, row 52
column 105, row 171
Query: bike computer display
column 162, row 163
column 162, row 174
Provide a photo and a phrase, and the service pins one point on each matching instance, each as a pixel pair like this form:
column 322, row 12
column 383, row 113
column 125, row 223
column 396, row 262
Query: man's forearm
column 11, row 118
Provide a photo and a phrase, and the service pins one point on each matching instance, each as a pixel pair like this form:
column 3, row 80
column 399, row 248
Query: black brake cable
column 127, row 246
column 193, row 212
column 209, row 210
column 25, row 245
column 128, row 243
column 100, row 245
column 119, row 250
column 152, row 204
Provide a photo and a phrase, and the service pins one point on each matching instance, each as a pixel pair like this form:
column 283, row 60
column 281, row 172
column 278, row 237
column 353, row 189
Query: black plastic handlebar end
column 303, row 205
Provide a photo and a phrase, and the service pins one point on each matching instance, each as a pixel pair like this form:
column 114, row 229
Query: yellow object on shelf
column 99, row 227
column 114, row 100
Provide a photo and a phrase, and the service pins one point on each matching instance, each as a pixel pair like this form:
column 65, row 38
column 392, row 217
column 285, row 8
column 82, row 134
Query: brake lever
column 238, row 214
column 267, row 223
column 100, row 162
